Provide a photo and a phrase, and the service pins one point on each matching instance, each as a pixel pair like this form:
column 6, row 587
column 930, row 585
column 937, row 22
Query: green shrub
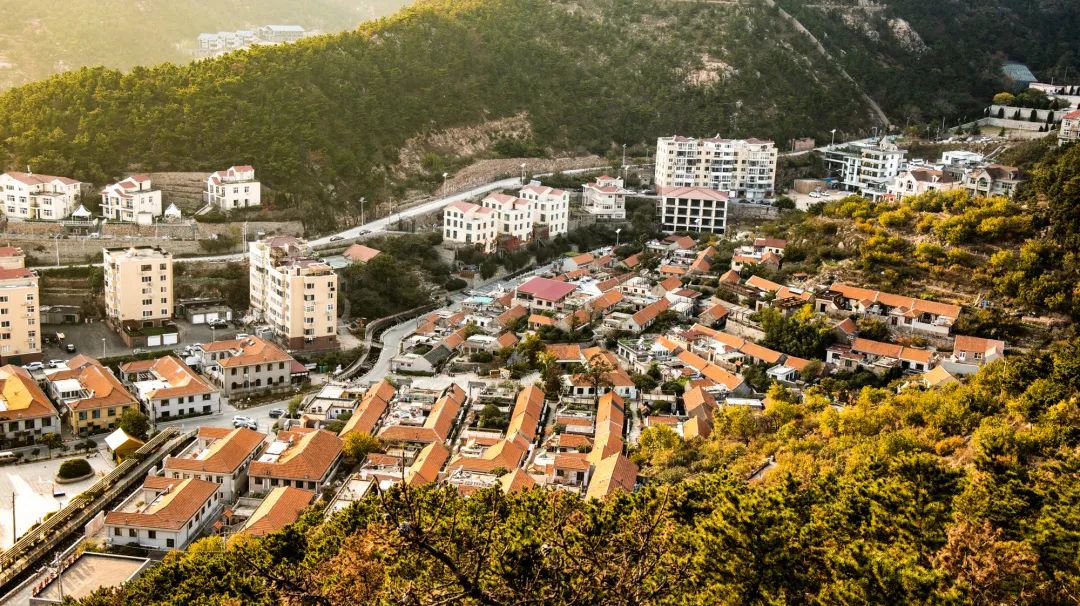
column 74, row 468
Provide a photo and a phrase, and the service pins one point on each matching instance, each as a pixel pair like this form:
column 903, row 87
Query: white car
column 242, row 421
column 34, row 366
column 814, row 194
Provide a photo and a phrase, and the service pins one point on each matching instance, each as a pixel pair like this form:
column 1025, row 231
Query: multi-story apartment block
column 695, row 209
column 743, row 168
column 20, row 313
column 251, row 365
column 133, row 200
column 866, row 168
column 25, row 411
column 138, row 286
column 169, row 389
column 606, row 198
column 471, row 224
column 293, row 293
column 233, row 188
column 40, row 197
column 94, row 397
column 513, row 216
column 993, row 180
column 1070, row 128
column 550, row 207
column 220, row 455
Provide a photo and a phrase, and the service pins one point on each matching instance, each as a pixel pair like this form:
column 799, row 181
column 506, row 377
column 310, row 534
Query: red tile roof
column 546, row 289
column 279, row 509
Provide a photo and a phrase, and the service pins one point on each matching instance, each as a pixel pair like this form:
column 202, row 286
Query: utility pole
column 624, row 156
column 362, row 200
column 14, row 533
column 59, row 576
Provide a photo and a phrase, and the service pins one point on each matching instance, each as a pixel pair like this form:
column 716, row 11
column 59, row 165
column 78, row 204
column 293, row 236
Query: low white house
column 41, row 197
column 605, row 198
column 219, row 455
column 233, row 188
column 165, row 513
column 471, row 224
column 169, row 388
column 133, row 200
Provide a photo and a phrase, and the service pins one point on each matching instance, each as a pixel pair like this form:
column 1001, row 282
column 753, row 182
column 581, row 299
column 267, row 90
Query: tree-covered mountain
column 325, row 119
column 43, row 37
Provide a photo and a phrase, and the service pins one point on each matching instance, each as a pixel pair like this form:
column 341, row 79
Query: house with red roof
column 1070, row 128
column 39, row 197
column 542, row 294
column 471, row 224
column 169, row 389
column 132, row 200
column 232, row 188
column 605, row 198
column 166, row 513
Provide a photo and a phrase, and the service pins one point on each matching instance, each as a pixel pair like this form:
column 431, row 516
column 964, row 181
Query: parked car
column 242, row 421
column 218, row 323
column 70, row 348
column 336, row 238
column 56, row 363
column 278, row 413
column 814, row 194
column 34, row 366
column 138, row 351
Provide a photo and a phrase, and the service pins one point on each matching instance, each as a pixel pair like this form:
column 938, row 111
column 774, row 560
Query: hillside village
column 552, row 376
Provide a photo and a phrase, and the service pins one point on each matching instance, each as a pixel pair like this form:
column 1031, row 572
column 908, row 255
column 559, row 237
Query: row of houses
column 92, row 397
column 134, row 199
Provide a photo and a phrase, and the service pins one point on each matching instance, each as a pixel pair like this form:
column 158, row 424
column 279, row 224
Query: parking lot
column 97, row 340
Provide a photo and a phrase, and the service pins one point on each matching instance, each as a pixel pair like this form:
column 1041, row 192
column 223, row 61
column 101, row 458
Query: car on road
column 363, row 232
column 70, row 348
column 218, row 323
column 138, row 351
column 814, row 194
column 277, row 413
column 242, row 421
column 34, row 366
column 56, row 363
column 336, row 238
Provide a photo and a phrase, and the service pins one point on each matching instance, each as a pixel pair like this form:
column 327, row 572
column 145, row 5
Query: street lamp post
column 523, row 173
column 362, row 201
column 833, row 141
column 103, row 347
column 444, row 176
column 624, row 156
column 617, row 232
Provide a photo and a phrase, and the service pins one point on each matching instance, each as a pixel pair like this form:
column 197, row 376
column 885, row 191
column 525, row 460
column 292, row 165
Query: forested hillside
column 332, row 113
column 45, row 36
column 927, row 60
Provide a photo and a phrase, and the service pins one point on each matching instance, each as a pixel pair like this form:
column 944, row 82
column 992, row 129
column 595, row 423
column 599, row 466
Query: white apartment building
column 513, row 216
column 138, row 285
column 233, row 188
column 133, row 200
column 39, row 197
column 1070, row 128
column 692, row 209
column 605, row 198
column 293, row 293
column 470, row 224
column 20, row 313
column 744, row 168
column 550, row 207
column 866, row 167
